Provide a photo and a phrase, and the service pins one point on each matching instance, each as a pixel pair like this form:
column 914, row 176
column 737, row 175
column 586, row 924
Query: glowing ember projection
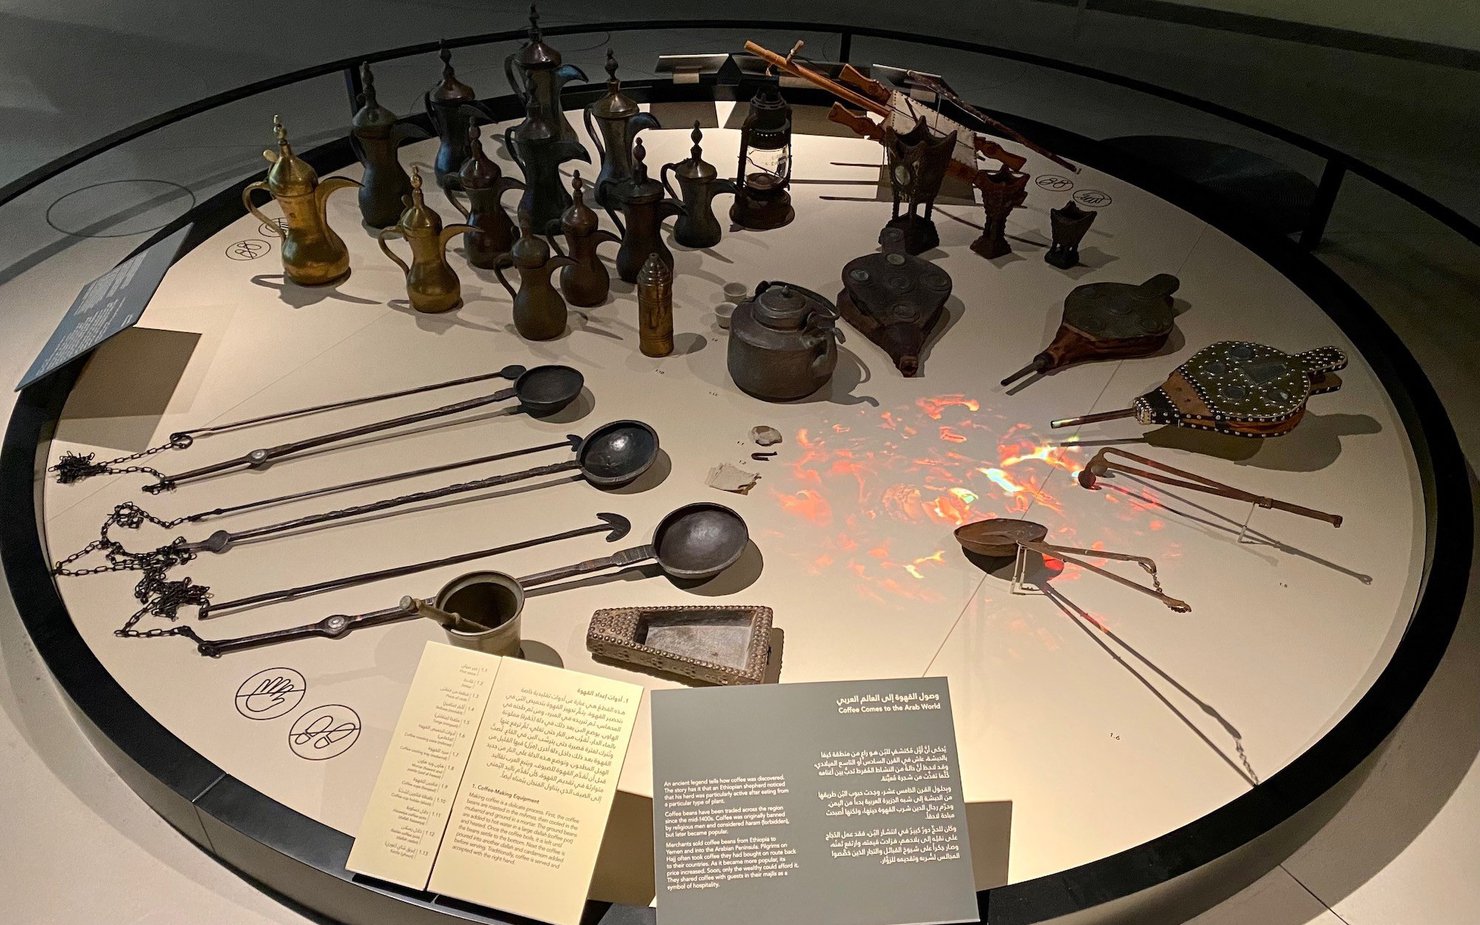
column 882, row 488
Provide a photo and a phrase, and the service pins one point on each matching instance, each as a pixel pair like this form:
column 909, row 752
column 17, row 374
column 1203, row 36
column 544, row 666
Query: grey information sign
column 833, row 804
column 109, row 304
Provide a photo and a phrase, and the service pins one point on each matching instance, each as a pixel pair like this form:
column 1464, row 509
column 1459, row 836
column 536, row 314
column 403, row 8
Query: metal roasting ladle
column 615, row 526
column 692, row 542
column 1002, row 536
column 610, row 456
column 542, row 390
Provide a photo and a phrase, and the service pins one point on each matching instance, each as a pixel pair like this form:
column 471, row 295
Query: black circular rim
column 1275, row 801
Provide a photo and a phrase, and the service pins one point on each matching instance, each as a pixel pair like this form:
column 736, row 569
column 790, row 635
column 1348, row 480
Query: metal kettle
column 432, row 285
column 313, row 255
column 617, row 120
column 698, row 183
column 783, row 342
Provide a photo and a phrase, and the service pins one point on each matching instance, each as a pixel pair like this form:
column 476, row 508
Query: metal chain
column 74, row 467
column 160, row 596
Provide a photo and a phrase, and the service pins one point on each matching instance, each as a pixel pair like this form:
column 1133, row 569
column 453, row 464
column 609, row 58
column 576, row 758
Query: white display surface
column 1102, row 727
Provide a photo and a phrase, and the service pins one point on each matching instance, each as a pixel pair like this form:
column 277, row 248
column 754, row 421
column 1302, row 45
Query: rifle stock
column 872, row 88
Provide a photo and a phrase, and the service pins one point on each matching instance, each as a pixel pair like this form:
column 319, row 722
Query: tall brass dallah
column 375, row 135
column 539, row 311
column 313, row 255
column 432, row 285
column 484, row 183
column 585, row 282
column 617, row 120
column 698, row 183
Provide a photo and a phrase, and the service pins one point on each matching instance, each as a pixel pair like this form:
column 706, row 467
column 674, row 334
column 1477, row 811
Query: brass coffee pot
column 484, row 183
column 539, row 311
column 313, row 255
column 644, row 205
column 375, row 135
column 698, row 184
column 617, row 120
column 585, row 282
column 431, row 283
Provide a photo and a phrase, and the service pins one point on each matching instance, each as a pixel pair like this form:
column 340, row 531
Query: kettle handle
column 515, row 84
column 663, row 176
column 451, row 194
column 594, row 135
column 257, row 213
column 504, row 260
column 512, row 148
column 390, row 253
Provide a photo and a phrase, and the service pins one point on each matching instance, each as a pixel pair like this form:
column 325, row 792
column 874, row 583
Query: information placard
column 835, row 803
column 498, row 783
column 109, row 304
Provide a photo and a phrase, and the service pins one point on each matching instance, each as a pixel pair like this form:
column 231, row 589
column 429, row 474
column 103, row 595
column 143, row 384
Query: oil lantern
column 763, row 199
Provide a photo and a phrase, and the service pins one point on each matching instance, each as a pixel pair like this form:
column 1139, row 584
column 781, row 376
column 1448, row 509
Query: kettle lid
column 289, row 175
column 578, row 219
column 781, row 307
column 695, row 167
column 418, row 215
column 371, row 117
column 616, row 104
column 450, row 89
column 535, row 53
column 479, row 171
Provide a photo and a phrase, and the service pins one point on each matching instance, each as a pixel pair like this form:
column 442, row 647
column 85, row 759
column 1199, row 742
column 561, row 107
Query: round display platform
column 1091, row 719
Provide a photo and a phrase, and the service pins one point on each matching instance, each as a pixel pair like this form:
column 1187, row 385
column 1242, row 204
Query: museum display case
column 816, row 488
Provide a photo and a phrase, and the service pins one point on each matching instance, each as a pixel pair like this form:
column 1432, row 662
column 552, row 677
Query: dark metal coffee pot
column 698, row 184
column 585, row 282
column 617, row 122
column 540, row 77
column 644, row 206
column 452, row 106
column 783, row 342
column 375, row 135
column 484, row 183
column 536, row 146
column 539, row 311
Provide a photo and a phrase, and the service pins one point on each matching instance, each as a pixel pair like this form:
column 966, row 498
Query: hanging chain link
column 74, row 467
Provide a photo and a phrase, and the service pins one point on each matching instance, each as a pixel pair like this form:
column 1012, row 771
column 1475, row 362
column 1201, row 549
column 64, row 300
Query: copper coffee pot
column 313, row 255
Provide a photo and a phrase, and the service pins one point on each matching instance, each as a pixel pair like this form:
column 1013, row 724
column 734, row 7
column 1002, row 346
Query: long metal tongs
column 74, row 467
column 1100, row 466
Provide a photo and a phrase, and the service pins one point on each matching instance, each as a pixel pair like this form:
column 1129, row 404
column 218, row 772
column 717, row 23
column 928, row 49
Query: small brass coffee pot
column 539, row 311
column 585, row 282
column 698, row 184
column 613, row 123
column 313, row 255
column 484, row 183
column 431, row 283
column 644, row 205
column 375, row 135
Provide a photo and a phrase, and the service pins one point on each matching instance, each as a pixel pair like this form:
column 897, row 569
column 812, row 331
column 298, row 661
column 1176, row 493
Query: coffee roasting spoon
column 611, row 456
column 542, row 390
